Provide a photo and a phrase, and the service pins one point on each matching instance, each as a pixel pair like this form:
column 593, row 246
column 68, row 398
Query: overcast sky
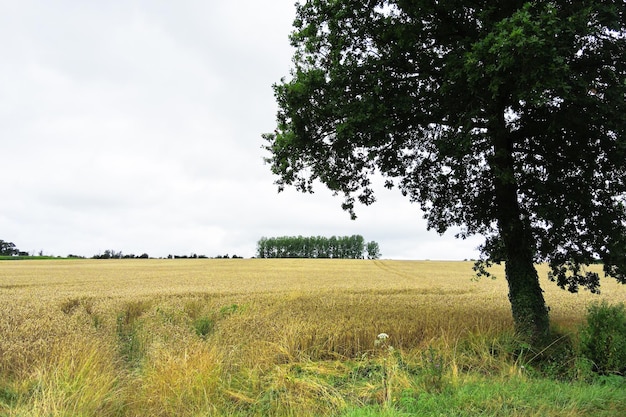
column 136, row 126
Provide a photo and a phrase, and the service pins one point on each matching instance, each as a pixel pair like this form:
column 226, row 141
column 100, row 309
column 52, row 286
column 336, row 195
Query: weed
column 97, row 321
column 388, row 364
column 203, row 326
column 433, row 370
column 229, row 309
column 8, row 396
column 131, row 348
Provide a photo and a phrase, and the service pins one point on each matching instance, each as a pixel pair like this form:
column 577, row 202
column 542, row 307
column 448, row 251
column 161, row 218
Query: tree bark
column 529, row 309
column 528, row 306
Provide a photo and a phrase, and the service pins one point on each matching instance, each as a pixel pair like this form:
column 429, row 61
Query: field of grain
column 245, row 336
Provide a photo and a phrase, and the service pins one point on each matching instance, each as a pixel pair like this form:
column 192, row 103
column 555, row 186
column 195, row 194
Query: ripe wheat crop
column 241, row 337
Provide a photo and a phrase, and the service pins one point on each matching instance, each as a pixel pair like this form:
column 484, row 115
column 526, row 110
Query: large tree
column 504, row 118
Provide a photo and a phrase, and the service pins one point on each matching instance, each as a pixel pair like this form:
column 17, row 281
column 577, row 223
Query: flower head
column 382, row 336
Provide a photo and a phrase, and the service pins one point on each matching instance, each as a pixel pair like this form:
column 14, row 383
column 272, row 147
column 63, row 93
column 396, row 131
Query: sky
column 136, row 126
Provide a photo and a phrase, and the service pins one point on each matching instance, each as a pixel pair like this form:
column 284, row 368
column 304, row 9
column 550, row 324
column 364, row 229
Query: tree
column 373, row 250
column 8, row 248
column 109, row 254
column 505, row 119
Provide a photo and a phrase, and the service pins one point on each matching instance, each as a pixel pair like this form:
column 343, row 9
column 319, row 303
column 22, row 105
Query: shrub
column 603, row 338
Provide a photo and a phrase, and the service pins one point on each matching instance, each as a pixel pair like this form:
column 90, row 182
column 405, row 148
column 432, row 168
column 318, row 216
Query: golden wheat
column 184, row 337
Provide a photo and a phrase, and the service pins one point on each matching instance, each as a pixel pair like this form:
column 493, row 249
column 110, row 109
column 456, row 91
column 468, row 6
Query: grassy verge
column 487, row 396
column 149, row 358
column 27, row 258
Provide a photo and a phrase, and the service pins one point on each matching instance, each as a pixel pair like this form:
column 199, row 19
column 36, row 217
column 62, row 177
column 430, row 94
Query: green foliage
column 486, row 396
column 433, row 370
column 603, row 338
column 344, row 247
column 128, row 323
column 227, row 310
column 489, row 395
column 203, row 326
column 373, row 250
column 8, row 248
column 29, row 258
column 109, row 254
column 8, row 396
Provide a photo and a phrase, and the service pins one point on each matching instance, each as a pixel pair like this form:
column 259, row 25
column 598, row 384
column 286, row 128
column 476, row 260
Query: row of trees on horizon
column 342, row 247
column 10, row 249
column 112, row 254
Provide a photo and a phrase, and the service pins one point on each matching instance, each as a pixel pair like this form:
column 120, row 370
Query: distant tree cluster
column 195, row 256
column 9, row 249
column 228, row 257
column 192, row 256
column 343, row 247
column 112, row 254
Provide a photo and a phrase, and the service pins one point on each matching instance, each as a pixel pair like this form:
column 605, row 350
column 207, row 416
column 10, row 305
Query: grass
column 284, row 338
column 29, row 257
column 486, row 396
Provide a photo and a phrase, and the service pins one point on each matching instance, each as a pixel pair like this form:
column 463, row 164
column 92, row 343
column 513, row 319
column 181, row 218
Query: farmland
column 277, row 337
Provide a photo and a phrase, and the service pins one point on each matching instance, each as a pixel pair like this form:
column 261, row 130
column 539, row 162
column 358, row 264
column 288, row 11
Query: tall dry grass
column 246, row 337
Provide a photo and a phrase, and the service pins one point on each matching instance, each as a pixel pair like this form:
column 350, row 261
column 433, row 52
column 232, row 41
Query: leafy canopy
column 413, row 90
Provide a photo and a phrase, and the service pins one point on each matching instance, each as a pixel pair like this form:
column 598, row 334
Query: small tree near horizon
column 8, row 248
column 373, row 250
column 506, row 119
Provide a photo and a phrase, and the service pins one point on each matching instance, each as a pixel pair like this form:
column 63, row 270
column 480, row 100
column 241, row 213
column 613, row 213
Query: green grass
column 31, row 258
column 487, row 396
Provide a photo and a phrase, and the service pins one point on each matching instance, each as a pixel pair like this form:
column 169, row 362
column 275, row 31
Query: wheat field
column 222, row 336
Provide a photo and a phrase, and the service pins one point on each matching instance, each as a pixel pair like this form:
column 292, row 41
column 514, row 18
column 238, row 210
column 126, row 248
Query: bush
column 603, row 338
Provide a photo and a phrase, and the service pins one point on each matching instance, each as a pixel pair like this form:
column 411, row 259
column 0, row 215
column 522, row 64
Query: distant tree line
column 342, row 247
column 112, row 254
column 345, row 247
column 195, row 256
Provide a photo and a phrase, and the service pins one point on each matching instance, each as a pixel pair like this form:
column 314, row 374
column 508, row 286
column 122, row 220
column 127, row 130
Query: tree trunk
column 529, row 309
column 528, row 306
